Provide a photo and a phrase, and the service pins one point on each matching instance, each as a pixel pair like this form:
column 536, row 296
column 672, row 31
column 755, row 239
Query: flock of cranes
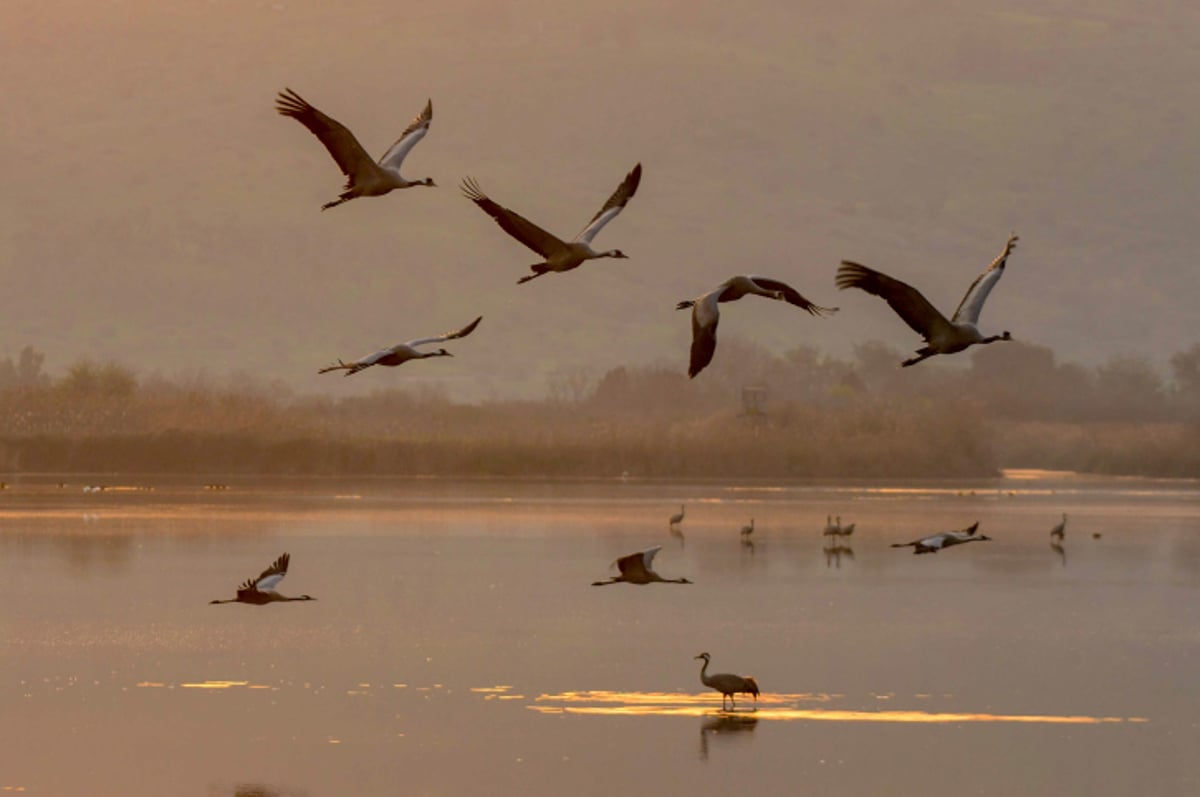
column 637, row 568
column 367, row 177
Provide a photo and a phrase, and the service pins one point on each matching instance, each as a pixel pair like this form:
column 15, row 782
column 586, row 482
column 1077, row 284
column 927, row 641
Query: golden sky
column 157, row 211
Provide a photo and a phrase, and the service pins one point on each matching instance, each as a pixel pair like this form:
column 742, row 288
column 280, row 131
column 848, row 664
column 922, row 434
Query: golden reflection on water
column 777, row 707
column 498, row 692
column 222, row 685
column 202, row 685
column 1029, row 474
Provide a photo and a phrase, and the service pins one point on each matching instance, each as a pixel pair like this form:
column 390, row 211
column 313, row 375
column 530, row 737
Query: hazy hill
column 157, row 211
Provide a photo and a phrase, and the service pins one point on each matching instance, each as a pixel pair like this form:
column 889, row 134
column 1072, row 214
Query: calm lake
column 456, row 647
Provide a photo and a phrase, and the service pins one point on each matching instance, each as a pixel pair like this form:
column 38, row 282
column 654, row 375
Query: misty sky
column 157, row 211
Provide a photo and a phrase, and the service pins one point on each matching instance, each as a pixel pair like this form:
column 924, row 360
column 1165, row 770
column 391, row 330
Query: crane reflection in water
column 726, row 726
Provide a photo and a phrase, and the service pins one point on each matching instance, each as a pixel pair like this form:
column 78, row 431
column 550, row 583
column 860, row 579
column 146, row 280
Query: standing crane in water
column 728, row 684
column 673, row 525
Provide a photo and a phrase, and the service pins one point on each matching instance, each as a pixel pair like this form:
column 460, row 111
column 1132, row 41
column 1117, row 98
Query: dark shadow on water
column 724, row 726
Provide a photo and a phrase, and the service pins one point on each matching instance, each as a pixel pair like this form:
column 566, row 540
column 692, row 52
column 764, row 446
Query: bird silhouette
column 936, row 542
column 635, row 568
column 261, row 590
column 401, row 352
column 706, row 311
column 364, row 176
column 727, row 683
column 559, row 255
column 941, row 336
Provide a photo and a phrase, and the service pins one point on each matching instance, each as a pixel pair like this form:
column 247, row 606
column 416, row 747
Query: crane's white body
column 706, row 311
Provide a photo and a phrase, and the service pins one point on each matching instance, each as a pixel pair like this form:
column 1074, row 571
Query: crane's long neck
column 704, row 672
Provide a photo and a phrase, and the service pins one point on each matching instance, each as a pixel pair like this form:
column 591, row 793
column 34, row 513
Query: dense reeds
column 800, row 416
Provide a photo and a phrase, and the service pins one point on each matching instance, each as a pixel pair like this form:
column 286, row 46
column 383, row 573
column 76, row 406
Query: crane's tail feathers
column 346, row 197
column 819, row 311
column 921, row 355
column 538, row 270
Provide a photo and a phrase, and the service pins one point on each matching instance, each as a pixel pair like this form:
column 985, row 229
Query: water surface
column 456, row 647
